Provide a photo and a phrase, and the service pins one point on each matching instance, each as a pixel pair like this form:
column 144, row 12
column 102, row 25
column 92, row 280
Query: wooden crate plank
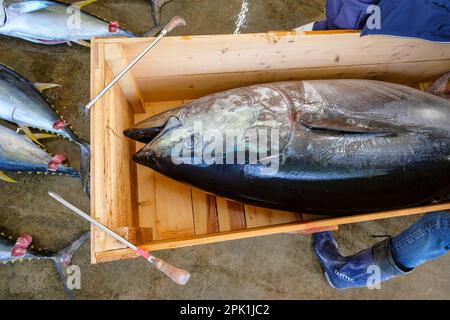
column 174, row 215
column 231, row 215
column 205, row 212
column 261, row 217
column 172, row 200
column 117, row 62
column 120, row 201
column 264, row 231
column 97, row 149
column 276, row 51
column 287, row 228
column 146, row 185
column 195, row 86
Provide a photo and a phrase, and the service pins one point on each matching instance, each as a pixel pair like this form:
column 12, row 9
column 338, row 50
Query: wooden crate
column 159, row 213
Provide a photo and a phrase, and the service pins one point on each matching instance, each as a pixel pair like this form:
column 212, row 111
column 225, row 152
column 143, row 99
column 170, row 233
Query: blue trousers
column 426, row 240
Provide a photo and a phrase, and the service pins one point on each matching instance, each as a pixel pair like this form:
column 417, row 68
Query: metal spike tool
column 179, row 276
column 173, row 24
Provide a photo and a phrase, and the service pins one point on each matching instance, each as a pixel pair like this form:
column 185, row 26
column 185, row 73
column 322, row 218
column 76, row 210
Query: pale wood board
column 275, row 51
column 196, row 86
column 173, row 205
column 117, row 62
column 231, row 215
column 261, row 217
column 265, row 231
column 205, row 212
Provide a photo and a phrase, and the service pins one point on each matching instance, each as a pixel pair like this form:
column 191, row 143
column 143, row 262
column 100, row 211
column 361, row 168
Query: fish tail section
column 156, row 10
column 63, row 258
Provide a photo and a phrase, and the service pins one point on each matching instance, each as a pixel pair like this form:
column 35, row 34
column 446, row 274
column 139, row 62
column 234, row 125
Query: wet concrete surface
column 275, row 267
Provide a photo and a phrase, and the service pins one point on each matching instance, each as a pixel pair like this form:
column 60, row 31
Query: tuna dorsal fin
column 4, row 177
column 81, row 4
column 31, row 6
column 45, row 86
column 349, row 126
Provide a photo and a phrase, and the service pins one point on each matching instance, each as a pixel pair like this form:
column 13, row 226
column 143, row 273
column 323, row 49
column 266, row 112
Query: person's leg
column 425, row 240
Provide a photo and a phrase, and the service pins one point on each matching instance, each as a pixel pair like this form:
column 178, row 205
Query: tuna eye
column 191, row 142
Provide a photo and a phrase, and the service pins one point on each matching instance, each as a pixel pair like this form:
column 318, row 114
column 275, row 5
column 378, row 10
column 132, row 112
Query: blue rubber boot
column 367, row 268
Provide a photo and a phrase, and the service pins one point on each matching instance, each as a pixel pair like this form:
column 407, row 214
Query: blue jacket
column 345, row 14
column 425, row 19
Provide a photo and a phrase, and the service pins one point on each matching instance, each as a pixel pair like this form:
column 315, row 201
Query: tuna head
column 240, row 127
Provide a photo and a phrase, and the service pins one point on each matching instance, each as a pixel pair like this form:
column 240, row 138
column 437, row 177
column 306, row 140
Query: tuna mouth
column 147, row 130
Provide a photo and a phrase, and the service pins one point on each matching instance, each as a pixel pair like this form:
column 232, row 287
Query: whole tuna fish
column 19, row 154
column 22, row 103
column 11, row 251
column 331, row 147
column 52, row 22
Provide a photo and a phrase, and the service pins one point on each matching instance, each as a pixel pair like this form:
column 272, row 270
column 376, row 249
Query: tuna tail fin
column 63, row 258
column 156, row 10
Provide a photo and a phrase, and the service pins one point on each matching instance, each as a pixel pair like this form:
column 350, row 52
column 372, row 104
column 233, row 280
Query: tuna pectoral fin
column 350, row 126
column 45, row 86
column 81, row 4
column 31, row 135
column 63, row 258
column 4, row 177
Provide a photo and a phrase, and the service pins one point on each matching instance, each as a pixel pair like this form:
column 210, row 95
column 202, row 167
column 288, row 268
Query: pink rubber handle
column 179, row 276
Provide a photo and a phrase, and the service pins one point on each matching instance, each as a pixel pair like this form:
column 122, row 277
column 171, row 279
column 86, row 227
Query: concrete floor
column 276, row 267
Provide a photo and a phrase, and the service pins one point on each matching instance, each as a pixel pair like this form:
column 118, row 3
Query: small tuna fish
column 23, row 104
column 333, row 147
column 11, row 251
column 19, row 154
column 52, row 22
